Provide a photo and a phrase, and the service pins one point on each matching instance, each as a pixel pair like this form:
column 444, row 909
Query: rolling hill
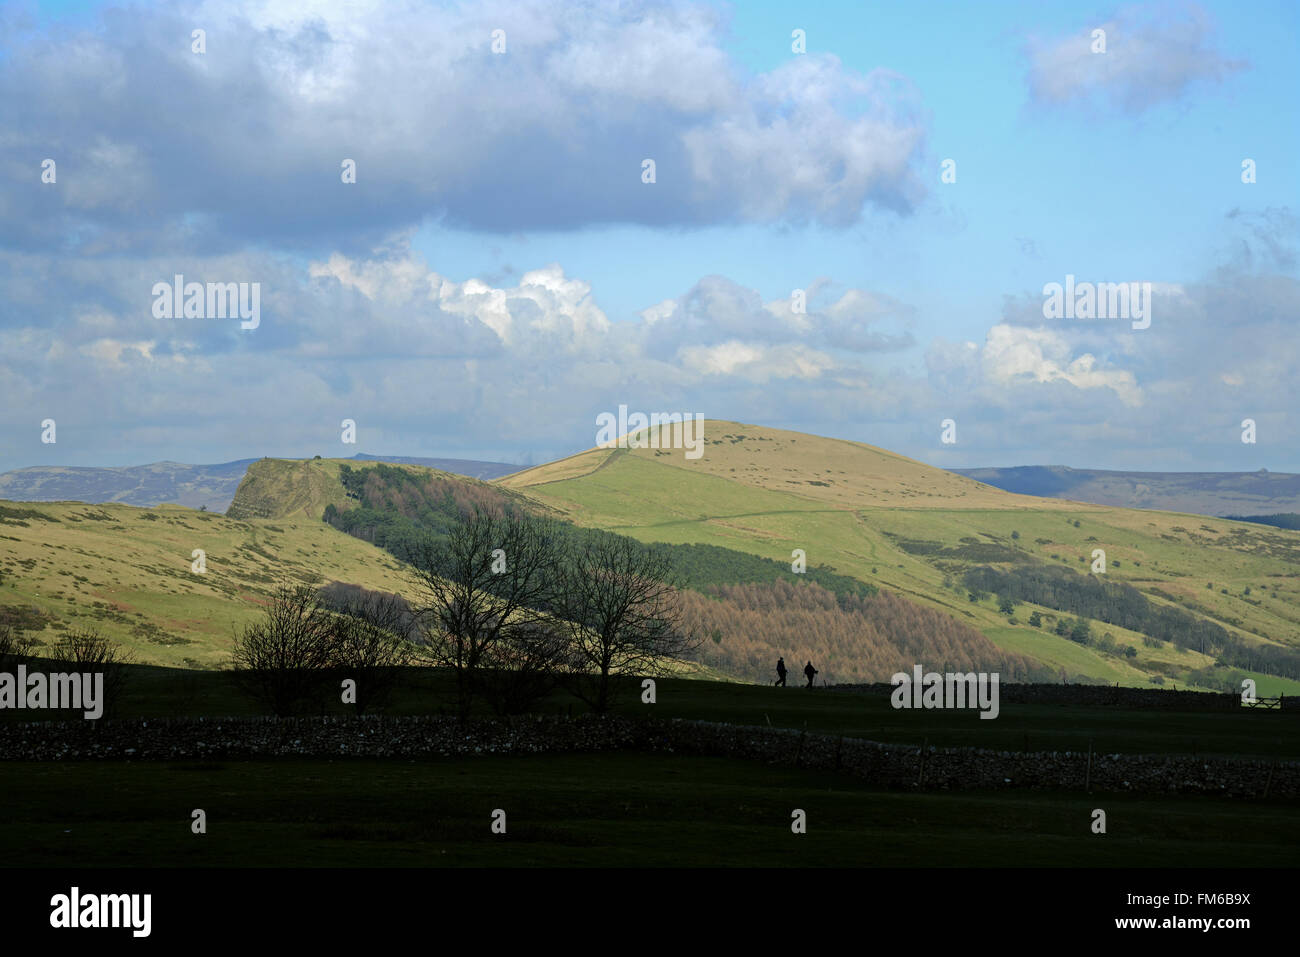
column 289, row 488
column 128, row 572
column 915, row 530
column 914, row 533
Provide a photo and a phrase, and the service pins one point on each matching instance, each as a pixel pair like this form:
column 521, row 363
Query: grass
column 754, row 495
column 128, row 572
column 876, row 516
column 591, row 810
column 1259, row 734
column 638, row 809
column 289, row 489
column 850, row 506
column 1031, row 727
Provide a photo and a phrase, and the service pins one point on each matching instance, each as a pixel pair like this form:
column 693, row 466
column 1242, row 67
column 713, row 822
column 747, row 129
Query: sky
column 854, row 215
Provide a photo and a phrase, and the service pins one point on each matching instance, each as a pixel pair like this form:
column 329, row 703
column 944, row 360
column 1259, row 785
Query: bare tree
column 524, row 666
column 16, row 645
column 85, row 649
column 619, row 603
column 487, row 583
column 370, row 647
column 284, row 660
column 388, row 610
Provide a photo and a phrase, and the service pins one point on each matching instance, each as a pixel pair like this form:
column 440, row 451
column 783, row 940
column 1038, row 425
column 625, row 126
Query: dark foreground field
column 644, row 809
column 593, row 809
column 161, row 692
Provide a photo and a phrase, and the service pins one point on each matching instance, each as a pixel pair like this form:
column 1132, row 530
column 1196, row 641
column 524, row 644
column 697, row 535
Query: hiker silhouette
column 780, row 672
column 811, row 672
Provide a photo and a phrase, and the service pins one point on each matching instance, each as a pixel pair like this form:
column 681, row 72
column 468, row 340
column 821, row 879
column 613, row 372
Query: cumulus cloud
column 1152, row 55
column 1014, row 354
column 422, row 360
column 757, row 363
column 225, row 167
column 717, row 312
column 429, row 363
column 159, row 147
column 544, row 308
column 1172, row 395
column 1017, row 368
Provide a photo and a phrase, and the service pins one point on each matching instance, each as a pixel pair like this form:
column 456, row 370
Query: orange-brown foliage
column 848, row 639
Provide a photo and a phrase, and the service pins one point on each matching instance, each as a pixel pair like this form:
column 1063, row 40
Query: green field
column 129, row 573
column 913, row 529
column 643, row 809
column 592, row 810
column 157, row 692
column 898, row 524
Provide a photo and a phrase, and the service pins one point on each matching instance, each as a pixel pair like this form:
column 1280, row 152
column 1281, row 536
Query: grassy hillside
column 127, row 572
column 830, row 471
column 771, row 611
column 303, row 489
column 285, row 488
column 851, row 508
column 914, row 529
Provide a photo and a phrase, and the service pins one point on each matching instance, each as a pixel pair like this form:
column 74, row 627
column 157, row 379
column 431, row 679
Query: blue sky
column 483, row 288
column 1014, row 160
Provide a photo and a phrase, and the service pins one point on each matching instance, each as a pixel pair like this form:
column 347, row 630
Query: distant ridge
column 194, row 486
column 1219, row 494
column 472, row 468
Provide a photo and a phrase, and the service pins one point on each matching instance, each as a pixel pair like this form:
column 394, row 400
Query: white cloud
column 1016, row 354
column 1152, row 55
column 115, row 352
column 544, row 304
column 756, row 363
column 430, row 363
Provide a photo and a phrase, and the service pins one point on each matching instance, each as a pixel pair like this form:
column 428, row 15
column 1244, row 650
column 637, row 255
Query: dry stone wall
column 883, row 765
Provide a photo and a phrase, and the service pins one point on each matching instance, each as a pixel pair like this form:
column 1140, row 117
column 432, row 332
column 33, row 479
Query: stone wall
column 1138, row 699
column 883, row 765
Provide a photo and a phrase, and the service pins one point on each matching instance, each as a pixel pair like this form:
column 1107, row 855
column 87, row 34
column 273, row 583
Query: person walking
column 811, row 672
column 780, row 672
